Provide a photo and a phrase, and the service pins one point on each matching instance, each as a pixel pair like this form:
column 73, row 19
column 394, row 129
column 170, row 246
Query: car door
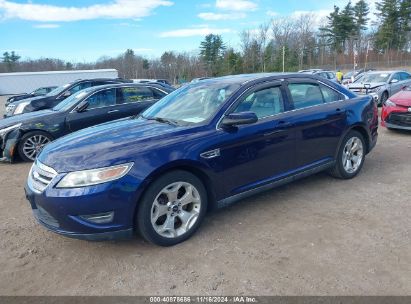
column 395, row 83
column 254, row 154
column 132, row 100
column 320, row 119
column 101, row 107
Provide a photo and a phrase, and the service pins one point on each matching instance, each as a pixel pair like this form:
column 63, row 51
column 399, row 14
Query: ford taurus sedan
column 25, row 135
column 204, row 146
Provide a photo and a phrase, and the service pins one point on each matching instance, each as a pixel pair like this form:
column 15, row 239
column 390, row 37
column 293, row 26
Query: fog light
column 99, row 218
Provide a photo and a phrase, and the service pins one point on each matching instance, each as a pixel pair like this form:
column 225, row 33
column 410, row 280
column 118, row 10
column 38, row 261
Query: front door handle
column 112, row 111
column 281, row 127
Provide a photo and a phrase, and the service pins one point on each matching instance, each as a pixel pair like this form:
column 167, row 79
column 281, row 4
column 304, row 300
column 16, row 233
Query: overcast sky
column 84, row 30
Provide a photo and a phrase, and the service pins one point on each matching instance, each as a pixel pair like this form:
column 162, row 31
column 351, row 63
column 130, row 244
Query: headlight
column 94, row 176
column 3, row 132
column 389, row 103
column 20, row 108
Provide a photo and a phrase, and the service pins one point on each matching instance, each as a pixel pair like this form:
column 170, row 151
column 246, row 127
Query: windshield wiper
column 163, row 120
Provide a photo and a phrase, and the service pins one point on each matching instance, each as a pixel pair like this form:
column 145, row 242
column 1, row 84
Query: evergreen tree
column 388, row 34
column 212, row 51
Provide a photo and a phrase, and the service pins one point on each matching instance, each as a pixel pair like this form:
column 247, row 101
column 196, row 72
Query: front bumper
column 62, row 210
column 398, row 120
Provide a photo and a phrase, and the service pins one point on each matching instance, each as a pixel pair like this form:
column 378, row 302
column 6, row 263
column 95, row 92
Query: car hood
column 29, row 99
column 360, row 85
column 402, row 98
column 99, row 146
column 24, row 118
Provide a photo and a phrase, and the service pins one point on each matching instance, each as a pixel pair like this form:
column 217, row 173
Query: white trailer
column 17, row 83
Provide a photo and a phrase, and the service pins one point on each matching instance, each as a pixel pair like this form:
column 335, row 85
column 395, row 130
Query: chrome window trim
column 218, row 127
column 119, row 87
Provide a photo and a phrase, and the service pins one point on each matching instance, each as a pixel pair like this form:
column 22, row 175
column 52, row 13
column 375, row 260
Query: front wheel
column 31, row 145
column 351, row 155
column 172, row 208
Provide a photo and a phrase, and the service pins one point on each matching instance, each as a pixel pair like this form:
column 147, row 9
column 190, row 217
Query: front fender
column 9, row 147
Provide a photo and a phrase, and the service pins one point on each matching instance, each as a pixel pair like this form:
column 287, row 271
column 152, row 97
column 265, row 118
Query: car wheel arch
column 362, row 130
column 190, row 167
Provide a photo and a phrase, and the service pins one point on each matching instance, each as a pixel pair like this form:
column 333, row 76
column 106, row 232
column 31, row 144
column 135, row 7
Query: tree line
column 348, row 36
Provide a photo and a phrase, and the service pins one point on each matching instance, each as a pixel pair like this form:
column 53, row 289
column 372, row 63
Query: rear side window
column 135, row 94
column 331, row 75
column 263, row 103
column 102, row 99
column 305, row 95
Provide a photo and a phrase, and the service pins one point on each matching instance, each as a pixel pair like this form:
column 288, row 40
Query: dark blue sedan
column 204, row 146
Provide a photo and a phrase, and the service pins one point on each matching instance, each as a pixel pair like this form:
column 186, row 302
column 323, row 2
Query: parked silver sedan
column 381, row 84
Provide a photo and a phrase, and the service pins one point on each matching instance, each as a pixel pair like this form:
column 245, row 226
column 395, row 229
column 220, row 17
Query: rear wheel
column 350, row 157
column 172, row 208
column 32, row 143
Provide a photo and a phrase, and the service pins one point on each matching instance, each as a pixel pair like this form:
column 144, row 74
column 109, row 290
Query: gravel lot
column 318, row 236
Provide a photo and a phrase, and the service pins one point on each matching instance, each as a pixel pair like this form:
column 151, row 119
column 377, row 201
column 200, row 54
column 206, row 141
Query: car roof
column 246, row 78
column 119, row 85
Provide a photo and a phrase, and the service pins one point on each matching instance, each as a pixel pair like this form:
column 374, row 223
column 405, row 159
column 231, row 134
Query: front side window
column 104, row 98
column 405, row 76
column 193, row 103
column 265, row 102
column 135, row 94
column 79, row 87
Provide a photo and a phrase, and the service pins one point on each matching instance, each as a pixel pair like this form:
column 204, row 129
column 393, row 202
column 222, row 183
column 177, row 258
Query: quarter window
column 102, row 99
column 263, row 103
column 329, row 94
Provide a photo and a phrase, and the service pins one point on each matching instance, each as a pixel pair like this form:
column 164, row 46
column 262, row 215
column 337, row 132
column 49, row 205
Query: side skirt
column 232, row 199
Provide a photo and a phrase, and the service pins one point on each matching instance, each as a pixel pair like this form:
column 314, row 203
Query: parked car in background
column 25, row 135
column 351, row 76
column 56, row 96
column 396, row 111
column 381, row 84
column 195, row 80
column 203, row 146
column 330, row 75
column 38, row 92
column 164, row 81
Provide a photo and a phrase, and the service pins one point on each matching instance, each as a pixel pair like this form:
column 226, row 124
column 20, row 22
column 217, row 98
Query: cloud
column 46, row 26
column 272, row 13
column 218, row 16
column 190, row 32
column 236, row 5
column 117, row 9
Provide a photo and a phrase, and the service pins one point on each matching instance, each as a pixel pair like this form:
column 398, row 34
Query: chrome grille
column 41, row 176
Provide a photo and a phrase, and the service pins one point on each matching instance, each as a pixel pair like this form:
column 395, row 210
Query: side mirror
column 66, row 94
column 394, row 81
column 242, row 118
column 82, row 107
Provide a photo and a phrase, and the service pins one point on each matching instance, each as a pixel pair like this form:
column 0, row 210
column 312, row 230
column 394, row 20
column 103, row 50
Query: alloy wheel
column 33, row 145
column 175, row 209
column 353, row 154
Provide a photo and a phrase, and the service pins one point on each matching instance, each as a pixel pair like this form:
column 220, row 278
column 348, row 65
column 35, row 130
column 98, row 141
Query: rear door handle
column 112, row 111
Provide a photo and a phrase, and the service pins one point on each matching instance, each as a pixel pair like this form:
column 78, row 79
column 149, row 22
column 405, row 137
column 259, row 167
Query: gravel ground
column 318, row 236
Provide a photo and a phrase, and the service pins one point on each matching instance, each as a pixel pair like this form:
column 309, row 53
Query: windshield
column 374, row 77
column 192, row 104
column 58, row 90
column 71, row 101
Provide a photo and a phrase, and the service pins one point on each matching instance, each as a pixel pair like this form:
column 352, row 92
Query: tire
column 157, row 209
column 383, row 99
column 347, row 157
column 32, row 143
